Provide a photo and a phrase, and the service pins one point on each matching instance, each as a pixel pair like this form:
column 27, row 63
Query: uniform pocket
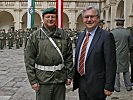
column 44, row 76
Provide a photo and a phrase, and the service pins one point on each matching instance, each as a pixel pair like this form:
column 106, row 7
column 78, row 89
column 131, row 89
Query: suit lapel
column 81, row 37
column 94, row 41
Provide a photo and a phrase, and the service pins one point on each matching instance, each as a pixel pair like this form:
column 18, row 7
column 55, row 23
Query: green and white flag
column 30, row 14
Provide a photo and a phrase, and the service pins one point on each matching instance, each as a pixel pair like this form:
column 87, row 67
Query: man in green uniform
column 101, row 23
column 1, row 39
column 17, row 39
column 5, row 37
column 49, row 59
column 131, row 51
column 12, row 35
column 21, row 37
column 26, row 36
column 10, row 39
column 121, row 36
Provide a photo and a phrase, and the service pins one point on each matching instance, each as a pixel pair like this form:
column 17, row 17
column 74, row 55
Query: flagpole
column 30, row 13
column 59, row 9
column 62, row 7
column 33, row 14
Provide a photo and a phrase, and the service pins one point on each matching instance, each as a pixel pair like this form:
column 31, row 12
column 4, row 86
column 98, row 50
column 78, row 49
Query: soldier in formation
column 101, row 23
column 73, row 34
column 10, row 37
column 26, row 36
column 17, row 39
column 2, row 37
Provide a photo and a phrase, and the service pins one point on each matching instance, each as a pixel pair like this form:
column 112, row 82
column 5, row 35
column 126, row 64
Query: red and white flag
column 59, row 11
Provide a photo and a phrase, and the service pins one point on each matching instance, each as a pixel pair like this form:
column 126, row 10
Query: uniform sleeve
column 30, row 53
column 68, row 61
column 131, row 42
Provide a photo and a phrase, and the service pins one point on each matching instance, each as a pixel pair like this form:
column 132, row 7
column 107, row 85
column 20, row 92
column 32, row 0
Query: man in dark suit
column 94, row 74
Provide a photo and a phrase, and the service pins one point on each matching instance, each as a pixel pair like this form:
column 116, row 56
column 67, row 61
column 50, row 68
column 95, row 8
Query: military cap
column 101, row 21
column 50, row 10
column 120, row 19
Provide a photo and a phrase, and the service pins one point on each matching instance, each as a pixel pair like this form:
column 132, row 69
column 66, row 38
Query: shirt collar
column 93, row 31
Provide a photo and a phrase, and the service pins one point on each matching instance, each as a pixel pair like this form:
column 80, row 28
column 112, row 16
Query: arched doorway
column 65, row 21
column 79, row 25
column 6, row 22
column 120, row 10
column 37, row 21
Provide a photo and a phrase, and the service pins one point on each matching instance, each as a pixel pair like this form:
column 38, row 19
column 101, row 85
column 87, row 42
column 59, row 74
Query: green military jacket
column 121, row 36
column 39, row 50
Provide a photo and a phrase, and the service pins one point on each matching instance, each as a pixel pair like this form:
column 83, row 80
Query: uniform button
column 59, row 45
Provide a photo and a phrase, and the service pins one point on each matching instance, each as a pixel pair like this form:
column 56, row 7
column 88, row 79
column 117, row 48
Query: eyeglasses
column 90, row 16
column 50, row 16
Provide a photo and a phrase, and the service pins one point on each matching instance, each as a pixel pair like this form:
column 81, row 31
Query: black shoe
column 129, row 88
column 117, row 89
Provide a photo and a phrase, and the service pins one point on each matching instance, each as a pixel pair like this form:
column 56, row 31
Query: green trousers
column 51, row 92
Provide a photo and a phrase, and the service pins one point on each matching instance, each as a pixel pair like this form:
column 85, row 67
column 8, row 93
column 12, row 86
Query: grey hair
column 89, row 8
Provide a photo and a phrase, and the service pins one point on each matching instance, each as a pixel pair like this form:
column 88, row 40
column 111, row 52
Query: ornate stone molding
column 72, row 10
column 113, row 2
column 17, row 9
column 131, row 15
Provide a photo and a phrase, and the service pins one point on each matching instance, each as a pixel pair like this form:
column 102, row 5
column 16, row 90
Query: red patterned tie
column 82, row 55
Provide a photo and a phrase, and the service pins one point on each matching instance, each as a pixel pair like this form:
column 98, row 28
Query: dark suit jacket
column 100, row 65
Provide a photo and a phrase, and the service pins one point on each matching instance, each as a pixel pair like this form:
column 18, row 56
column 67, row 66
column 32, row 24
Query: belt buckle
column 54, row 68
column 39, row 67
column 43, row 68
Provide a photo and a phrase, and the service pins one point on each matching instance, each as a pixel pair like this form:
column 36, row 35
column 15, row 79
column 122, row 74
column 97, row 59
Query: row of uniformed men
column 11, row 37
column 20, row 36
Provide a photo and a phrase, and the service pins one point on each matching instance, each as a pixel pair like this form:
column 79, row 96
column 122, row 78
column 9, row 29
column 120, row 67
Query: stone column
column 72, row 15
column 20, row 24
column 102, row 9
column 127, row 8
column 72, row 19
column 113, row 13
column 17, row 16
column 101, row 13
column 106, row 16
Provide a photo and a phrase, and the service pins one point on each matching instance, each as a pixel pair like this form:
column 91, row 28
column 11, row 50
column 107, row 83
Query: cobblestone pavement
column 14, row 84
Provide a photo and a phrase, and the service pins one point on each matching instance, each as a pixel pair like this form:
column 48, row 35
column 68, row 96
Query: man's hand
column 107, row 93
column 36, row 86
column 68, row 82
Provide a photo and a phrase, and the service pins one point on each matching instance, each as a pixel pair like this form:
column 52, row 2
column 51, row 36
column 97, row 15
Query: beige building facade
column 13, row 13
column 112, row 9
